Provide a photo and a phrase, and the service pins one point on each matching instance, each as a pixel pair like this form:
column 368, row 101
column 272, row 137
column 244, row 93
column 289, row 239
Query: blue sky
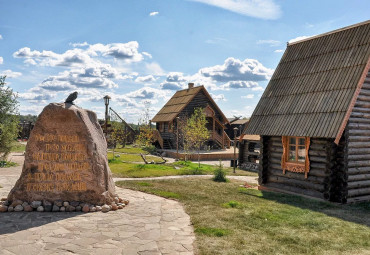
column 140, row 51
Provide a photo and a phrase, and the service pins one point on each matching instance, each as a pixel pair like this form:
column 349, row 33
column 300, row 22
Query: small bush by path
column 230, row 219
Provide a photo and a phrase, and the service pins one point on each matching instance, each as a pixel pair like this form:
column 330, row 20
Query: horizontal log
column 318, row 141
column 320, row 166
column 354, row 138
column 360, row 157
column 357, row 151
column 362, row 97
column 358, row 145
column 275, row 138
column 362, row 104
column 318, row 159
column 359, row 170
column 296, row 183
column 312, row 172
column 319, row 147
column 276, row 155
column 297, row 176
column 359, row 184
column 357, row 126
column 321, row 153
column 276, row 149
column 359, row 119
column 366, row 84
column 359, row 112
column 358, row 177
column 359, row 163
column 358, row 199
column 358, row 192
column 295, row 190
column 359, row 132
column 365, row 92
column 276, row 144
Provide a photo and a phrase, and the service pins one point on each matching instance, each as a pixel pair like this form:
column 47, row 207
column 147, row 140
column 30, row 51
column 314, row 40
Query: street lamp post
column 106, row 101
column 177, row 138
column 235, row 132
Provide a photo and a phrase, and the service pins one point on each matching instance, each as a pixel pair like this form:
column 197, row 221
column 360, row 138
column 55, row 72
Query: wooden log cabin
column 314, row 118
column 182, row 105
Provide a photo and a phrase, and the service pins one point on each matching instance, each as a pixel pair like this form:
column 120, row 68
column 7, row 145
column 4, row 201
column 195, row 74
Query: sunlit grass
column 229, row 219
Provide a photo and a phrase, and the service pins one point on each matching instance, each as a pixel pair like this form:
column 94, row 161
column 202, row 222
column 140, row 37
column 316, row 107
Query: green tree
column 9, row 119
column 146, row 135
column 196, row 132
column 118, row 135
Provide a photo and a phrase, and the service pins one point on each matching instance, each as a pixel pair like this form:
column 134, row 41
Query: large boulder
column 66, row 159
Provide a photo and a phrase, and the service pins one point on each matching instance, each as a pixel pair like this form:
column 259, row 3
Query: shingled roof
column 314, row 87
column 179, row 101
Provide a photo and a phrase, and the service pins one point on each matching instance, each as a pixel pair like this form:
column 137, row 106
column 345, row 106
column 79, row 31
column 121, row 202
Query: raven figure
column 71, row 98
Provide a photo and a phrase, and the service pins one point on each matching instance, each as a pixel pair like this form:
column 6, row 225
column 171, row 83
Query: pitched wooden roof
column 313, row 88
column 178, row 102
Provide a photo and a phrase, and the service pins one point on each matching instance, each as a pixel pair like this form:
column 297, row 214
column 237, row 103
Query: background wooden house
column 182, row 105
column 314, row 118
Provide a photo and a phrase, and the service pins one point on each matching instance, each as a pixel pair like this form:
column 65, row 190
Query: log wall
column 317, row 183
column 359, row 146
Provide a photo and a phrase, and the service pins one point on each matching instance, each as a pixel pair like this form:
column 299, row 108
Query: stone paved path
column 148, row 225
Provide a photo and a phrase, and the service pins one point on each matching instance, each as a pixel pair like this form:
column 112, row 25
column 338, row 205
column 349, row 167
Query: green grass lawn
column 120, row 169
column 132, row 157
column 230, row 219
column 131, row 150
column 18, row 147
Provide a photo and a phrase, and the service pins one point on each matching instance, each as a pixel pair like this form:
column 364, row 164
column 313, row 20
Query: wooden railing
column 157, row 137
column 227, row 140
column 216, row 137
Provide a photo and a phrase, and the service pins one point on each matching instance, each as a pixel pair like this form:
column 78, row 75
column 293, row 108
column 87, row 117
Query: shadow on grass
column 357, row 213
column 12, row 222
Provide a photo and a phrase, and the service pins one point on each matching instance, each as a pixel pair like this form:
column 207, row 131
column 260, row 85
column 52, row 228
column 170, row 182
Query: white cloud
column 127, row 52
column 265, row 9
column 1, row 37
column 79, row 44
column 232, row 70
column 122, row 51
column 278, row 51
column 33, row 109
column 30, row 61
column 220, row 97
column 36, row 96
column 269, row 42
column 154, row 68
column 240, row 84
column 1, row 60
column 258, row 88
column 249, row 96
column 145, row 79
column 153, row 13
column 147, row 54
column 10, row 74
column 299, row 38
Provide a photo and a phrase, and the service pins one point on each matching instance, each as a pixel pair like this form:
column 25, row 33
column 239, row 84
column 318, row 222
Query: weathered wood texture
column 359, row 146
column 323, row 181
column 313, row 85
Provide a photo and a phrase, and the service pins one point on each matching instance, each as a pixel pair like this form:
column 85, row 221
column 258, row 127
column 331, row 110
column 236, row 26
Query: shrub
column 220, row 174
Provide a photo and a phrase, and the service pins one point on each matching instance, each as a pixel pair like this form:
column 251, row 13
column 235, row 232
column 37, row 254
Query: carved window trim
column 297, row 167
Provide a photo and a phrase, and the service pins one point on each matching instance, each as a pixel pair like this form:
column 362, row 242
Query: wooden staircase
column 167, row 144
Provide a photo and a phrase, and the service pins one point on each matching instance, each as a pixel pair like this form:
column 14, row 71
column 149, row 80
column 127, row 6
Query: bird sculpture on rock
column 71, row 98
